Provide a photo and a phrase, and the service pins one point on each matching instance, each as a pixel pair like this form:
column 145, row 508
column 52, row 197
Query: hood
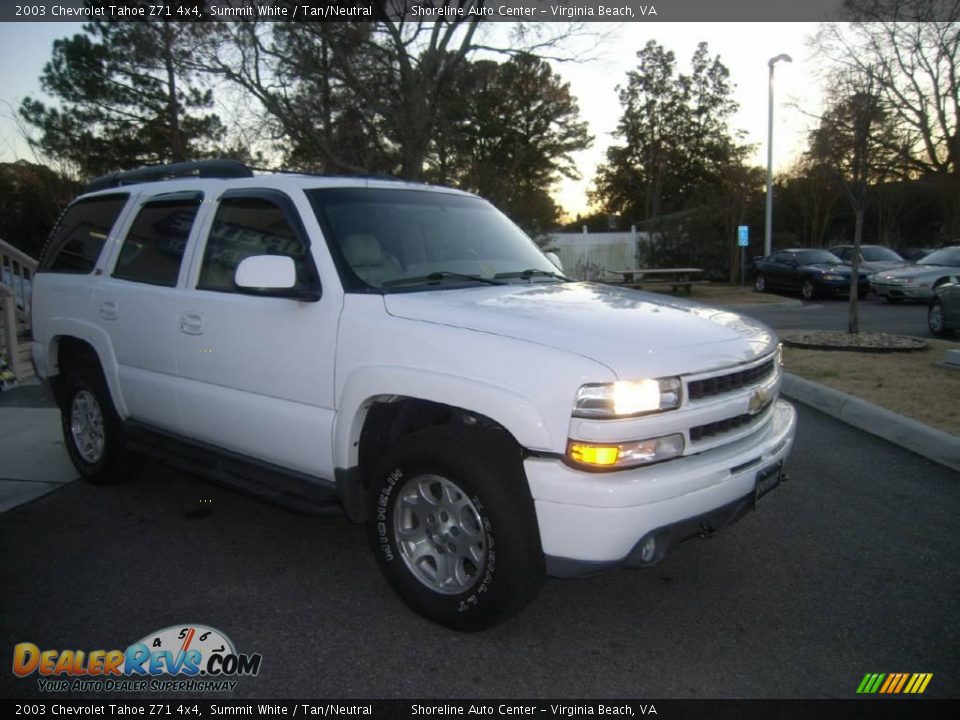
column 881, row 265
column 911, row 271
column 634, row 333
column 830, row 268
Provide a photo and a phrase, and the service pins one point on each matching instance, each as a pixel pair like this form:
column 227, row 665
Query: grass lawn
column 721, row 294
column 912, row 384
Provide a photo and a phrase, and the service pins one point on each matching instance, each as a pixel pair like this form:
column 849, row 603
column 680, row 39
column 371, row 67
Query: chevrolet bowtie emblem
column 758, row 401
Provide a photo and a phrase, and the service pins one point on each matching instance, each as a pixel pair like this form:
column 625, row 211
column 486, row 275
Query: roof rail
column 220, row 168
column 350, row 176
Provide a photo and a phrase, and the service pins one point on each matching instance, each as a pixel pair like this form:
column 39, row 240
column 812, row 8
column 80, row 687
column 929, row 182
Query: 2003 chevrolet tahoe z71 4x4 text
column 405, row 353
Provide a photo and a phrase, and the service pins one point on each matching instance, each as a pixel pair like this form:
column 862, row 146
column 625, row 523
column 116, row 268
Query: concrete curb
column 936, row 445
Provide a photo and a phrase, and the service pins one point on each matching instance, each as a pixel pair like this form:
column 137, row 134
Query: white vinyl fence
column 587, row 256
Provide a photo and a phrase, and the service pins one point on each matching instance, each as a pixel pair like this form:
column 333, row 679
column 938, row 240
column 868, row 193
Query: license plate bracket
column 767, row 479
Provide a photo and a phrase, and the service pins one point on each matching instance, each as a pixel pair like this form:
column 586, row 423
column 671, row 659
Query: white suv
column 406, row 355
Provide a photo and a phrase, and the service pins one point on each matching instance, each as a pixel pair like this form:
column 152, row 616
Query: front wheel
column 935, row 319
column 453, row 528
column 808, row 290
column 760, row 283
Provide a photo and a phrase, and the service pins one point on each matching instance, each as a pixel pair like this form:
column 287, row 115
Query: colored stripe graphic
column 894, row 683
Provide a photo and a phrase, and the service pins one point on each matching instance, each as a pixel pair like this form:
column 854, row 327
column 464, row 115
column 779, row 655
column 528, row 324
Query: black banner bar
column 487, row 10
column 186, row 707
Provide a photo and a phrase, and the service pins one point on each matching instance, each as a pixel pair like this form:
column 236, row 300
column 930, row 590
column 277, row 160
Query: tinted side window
column 78, row 238
column 248, row 226
column 153, row 249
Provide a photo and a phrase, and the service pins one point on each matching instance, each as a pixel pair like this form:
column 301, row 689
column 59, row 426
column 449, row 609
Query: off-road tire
column 485, row 465
column 114, row 463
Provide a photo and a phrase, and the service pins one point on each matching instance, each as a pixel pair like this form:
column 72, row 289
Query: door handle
column 109, row 310
column 192, row 323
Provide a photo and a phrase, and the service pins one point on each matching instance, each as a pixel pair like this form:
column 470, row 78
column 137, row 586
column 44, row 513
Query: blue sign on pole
column 743, row 235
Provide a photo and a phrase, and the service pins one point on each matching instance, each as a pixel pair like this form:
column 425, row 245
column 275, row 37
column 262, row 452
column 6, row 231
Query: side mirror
column 270, row 275
column 555, row 259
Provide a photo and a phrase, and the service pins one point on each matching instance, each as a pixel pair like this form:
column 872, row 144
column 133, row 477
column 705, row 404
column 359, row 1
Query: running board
column 278, row 486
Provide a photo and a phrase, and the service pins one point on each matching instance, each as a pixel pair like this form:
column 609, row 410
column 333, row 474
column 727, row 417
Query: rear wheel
column 92, row 430
column 453, row 527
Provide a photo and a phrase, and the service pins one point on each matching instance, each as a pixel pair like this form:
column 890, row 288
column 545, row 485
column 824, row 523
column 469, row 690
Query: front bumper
column 840, row 287
column 903, row 291
column 594, row 522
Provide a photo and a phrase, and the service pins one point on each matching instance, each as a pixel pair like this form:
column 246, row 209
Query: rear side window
column 79, row 236
column 248, row 226
column 153, row 249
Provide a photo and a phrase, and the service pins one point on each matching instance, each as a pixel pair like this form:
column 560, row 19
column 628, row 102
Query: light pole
column 768, row 225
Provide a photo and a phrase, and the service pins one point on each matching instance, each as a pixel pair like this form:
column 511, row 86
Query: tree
column 811, row 189
column 126, row 98
column 31, row 199
column 912, row 49
column 678, row 154
column 363, row 96
column 675, row 136
column 640, row 173
column 507, row 132
column 856, row 141
column 738, row 190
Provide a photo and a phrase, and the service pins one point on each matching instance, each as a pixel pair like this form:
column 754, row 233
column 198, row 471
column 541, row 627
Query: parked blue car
column 812, row 273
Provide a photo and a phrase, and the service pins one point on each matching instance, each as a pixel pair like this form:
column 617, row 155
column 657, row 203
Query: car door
column 257, row 371
column 779, row 269
column 137, row 302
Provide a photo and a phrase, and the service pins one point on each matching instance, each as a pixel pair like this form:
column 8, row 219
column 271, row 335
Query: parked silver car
column 873, row 258
column 943, row 317
column 917, row 282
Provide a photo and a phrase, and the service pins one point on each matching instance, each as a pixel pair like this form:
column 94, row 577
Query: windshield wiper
column 527, row 274
column 440, row 276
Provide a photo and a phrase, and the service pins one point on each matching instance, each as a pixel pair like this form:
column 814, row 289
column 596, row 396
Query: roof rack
column 351, row 176
column 220, row 168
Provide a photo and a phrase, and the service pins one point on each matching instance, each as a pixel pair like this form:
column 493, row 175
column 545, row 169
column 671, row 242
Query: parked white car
column 406, row 355
column 917, row 282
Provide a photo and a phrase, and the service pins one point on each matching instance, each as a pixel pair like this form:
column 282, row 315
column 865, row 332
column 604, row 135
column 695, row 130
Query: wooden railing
column 16, row 282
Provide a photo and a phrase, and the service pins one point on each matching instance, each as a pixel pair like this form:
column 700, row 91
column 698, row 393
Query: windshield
column 811, row 257
column 879, row 254
column 401, row 240
column 946, row 256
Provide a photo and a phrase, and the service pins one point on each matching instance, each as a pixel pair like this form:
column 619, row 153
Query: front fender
column 516, row 413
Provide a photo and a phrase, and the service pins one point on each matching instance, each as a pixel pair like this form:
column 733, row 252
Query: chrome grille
column 719, row 384
column 701, row 432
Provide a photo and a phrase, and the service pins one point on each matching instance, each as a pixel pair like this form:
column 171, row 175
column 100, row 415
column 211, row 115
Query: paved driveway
column 876, row 315
column 849, row 568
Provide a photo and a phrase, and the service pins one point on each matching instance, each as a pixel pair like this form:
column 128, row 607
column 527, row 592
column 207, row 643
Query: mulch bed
column 861, row 342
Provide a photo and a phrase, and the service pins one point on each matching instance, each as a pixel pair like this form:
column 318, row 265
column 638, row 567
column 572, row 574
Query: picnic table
column 678, row 278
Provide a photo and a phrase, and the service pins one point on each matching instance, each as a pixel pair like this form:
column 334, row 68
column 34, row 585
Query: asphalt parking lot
column 848, row 568
column 875, row 314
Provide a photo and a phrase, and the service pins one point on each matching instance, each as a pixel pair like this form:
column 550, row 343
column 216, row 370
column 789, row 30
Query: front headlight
column 627, row 398
column 831, row 277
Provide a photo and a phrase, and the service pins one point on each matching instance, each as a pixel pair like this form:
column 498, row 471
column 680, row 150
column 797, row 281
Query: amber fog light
column 624, row 455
